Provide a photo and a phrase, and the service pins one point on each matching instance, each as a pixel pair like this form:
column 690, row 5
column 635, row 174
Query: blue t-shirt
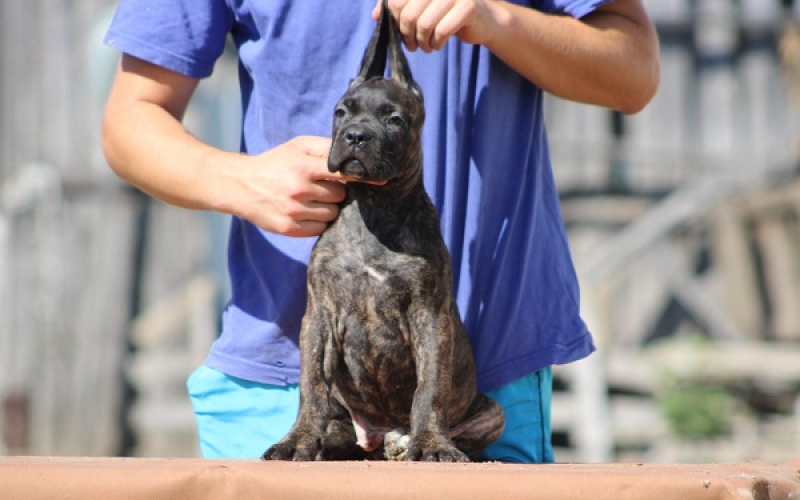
column 486, row 160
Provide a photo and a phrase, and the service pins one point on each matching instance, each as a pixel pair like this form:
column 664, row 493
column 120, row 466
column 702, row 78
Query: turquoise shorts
column 241, row 419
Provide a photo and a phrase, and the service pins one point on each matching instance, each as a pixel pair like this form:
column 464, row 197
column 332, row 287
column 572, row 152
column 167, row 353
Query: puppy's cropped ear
column 398, row 63
column 374, row 62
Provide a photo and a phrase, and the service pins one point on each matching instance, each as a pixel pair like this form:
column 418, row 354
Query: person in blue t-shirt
column 483, row 66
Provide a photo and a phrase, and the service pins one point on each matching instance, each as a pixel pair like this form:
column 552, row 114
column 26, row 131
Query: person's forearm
column 148, row 147
column 605, row 59
column 287, row 189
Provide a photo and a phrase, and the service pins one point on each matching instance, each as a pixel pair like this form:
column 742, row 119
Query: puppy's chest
column 359, row 260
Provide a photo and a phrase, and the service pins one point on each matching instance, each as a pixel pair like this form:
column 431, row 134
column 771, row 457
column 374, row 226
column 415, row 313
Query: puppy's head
column 377, row 126
column 378, row 122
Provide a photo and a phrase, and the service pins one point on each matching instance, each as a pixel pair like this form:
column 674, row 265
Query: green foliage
column 697, row 410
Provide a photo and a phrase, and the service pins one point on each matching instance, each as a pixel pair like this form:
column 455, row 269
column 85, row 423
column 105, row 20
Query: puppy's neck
column 406, row 185
column 398, row 200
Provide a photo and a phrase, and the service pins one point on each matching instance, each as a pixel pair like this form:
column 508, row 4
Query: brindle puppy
column 387, row 368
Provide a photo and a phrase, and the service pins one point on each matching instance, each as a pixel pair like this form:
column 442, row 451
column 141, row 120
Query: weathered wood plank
column 640, row 235
column 736, row 274
column 686, row 288
column 166, row 320
column 780, row 253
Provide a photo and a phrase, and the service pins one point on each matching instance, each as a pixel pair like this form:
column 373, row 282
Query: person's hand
column 288, row 189
column 427, row 24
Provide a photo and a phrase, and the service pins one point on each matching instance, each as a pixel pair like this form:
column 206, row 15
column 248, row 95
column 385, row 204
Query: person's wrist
column 499, row 21
column 216, row 178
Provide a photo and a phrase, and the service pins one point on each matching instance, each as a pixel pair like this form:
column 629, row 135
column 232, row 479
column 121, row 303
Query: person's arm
column 608, row 58
column 286, row 190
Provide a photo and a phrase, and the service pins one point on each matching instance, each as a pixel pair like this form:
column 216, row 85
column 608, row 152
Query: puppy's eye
column 339, row 113
column 396, row 121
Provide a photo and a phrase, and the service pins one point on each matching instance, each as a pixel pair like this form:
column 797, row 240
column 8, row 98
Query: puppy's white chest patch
column 375, row 274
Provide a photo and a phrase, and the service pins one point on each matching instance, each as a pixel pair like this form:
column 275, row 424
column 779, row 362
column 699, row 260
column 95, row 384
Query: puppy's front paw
column 395, row 445
column 434, row 449
column 294, row 448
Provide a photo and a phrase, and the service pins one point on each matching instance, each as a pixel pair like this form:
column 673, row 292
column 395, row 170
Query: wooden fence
column 81, row 254
column 685, row 222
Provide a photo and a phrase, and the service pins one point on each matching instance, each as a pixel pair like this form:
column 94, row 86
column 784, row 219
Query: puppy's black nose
column 356, row 136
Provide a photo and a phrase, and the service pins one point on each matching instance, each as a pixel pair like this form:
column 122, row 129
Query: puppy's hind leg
column 339, row 442
column 483, row 424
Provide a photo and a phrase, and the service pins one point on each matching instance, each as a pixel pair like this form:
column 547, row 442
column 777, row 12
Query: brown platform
column 179, row 479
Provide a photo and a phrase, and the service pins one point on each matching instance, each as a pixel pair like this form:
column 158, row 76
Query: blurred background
column 684, row 222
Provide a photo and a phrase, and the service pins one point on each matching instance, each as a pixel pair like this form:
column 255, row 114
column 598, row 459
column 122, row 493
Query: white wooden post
column 593, row 421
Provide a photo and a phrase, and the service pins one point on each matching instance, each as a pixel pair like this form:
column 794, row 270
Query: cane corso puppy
column 387, row 369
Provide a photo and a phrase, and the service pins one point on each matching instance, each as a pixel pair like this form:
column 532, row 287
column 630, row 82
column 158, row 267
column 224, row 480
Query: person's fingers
column 303, row 218
column 317, row 149
column 321, row 212
column 311, row 228
column 376, row 11
column 312, row 145
column 407, row 13
column 450, row 23
column 428, row 27
column 324, row 191
column 301, row 228
column 313, row 212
